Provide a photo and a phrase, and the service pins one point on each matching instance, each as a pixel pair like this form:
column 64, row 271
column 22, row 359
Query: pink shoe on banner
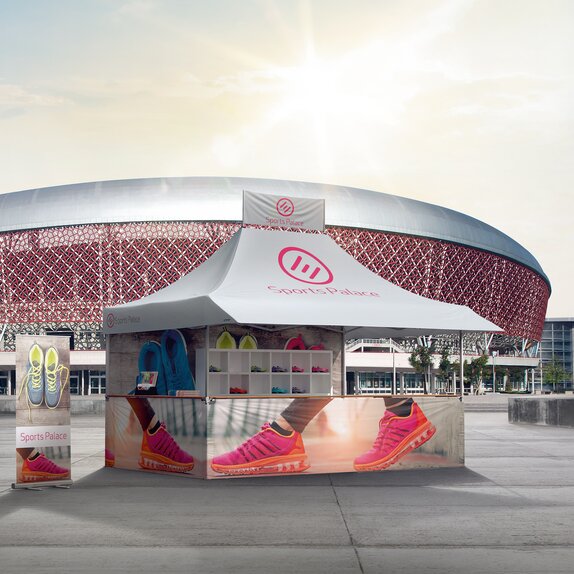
column 397, row 437
column 267, row 452
column 109, row 458
column 42, row 468
column 160, row 452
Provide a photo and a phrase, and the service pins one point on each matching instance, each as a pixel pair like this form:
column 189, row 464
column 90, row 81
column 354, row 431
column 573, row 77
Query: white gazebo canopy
column 279, row 278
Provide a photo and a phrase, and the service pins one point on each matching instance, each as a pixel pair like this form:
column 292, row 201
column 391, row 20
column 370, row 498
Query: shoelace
column 245, row 449
column 166, row 443
column 392, row 435
column 51, row 378
column 35, row 373
column 46, row 465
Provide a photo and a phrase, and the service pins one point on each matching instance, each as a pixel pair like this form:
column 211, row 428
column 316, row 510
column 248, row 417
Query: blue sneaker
column 34, row 378
column 176, row 368
column 150, row 359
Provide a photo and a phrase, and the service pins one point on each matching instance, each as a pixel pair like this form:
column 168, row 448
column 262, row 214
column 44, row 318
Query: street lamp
column 494, row 353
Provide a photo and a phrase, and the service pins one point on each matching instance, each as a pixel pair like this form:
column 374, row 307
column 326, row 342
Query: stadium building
column 68, row 251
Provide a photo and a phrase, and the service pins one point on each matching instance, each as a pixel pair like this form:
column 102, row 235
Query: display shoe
column 397, row 437
column 256, row 369
column 150, row 360
column 297, row 390
column 159, row 451
column 295, row 344
column 237, row 391
column 267, row 452
column 213, row 369
column 56, row 378
column 178, row 377
column 41, row 468
column 319, row 370
column 296, row 369
column 33, row 381
column 279, row 391
column 277, row 369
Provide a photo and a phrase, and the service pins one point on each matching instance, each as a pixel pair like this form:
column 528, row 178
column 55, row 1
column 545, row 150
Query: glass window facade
column 557, row 342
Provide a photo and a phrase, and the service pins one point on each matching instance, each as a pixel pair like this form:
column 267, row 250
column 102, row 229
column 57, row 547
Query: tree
column 554, row 373
column 445, row 366
column 421, row 360
column 476, row 371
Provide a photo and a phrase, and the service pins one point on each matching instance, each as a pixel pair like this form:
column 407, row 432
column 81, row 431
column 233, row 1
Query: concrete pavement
column 510, row 510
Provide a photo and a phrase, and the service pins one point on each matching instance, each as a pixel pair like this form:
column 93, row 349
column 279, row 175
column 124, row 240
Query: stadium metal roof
column 220, row 199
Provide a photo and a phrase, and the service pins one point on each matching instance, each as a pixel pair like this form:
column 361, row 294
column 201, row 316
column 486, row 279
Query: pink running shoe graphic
column 109, row 457
column 42, row 468
column 160, row 452
column 397, row 437
column 267, row 452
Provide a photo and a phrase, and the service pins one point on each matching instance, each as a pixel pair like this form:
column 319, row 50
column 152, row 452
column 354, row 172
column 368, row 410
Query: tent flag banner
column 283, row 211
column 43, row 438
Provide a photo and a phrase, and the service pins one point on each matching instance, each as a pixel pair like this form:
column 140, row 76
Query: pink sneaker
column 160, row 452
column 397, row 437
column 42, row 468
column 109, row 458
column 266, row 452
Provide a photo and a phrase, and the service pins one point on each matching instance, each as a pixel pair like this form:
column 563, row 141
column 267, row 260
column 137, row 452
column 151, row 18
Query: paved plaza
column 510, row 510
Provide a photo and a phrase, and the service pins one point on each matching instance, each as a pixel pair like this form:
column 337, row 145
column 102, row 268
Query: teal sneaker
column 178, row 377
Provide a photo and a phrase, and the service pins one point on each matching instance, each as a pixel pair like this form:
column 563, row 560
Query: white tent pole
column 343, row 365
column 461, row 364
column 206, row 360
column 394, row 369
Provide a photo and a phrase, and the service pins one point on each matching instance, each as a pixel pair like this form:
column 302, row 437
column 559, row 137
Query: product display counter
column 245, row 412
column 231, row 436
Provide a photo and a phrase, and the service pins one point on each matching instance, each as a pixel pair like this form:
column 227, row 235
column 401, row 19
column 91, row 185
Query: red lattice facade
column 68, row 274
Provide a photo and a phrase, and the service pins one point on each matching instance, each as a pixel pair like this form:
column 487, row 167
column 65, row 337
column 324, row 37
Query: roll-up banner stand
column 43, row 446
column 282, row 211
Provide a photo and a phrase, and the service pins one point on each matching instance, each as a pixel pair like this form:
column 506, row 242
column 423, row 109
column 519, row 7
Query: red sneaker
column 266, row 452
column 397, row 437
column 160, row 452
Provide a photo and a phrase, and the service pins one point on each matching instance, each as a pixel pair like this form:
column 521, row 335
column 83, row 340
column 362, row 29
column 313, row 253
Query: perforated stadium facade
column 68, row 251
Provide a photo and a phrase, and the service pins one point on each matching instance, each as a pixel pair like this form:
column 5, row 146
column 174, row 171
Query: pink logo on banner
column 111, row 320
column 285, row 207
column 304, row 266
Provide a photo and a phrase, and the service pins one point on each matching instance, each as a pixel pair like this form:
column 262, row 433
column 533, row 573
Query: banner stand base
column 42, row 485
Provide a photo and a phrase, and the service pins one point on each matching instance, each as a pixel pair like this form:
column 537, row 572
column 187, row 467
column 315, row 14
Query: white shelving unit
column 259, row 371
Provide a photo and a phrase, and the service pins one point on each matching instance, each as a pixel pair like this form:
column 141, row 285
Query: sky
column 468, row 104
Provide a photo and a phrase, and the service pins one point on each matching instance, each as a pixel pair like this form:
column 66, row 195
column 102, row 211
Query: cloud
column 12, row 96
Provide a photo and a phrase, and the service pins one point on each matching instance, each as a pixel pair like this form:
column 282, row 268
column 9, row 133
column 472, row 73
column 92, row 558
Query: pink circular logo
column 285, row 207
column 110, row 320
column 304, row 266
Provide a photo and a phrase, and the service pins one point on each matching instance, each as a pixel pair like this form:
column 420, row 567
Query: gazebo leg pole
column 460, row 341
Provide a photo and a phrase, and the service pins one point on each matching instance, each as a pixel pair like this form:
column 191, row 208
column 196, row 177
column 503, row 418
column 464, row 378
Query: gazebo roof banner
column 284, row 278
